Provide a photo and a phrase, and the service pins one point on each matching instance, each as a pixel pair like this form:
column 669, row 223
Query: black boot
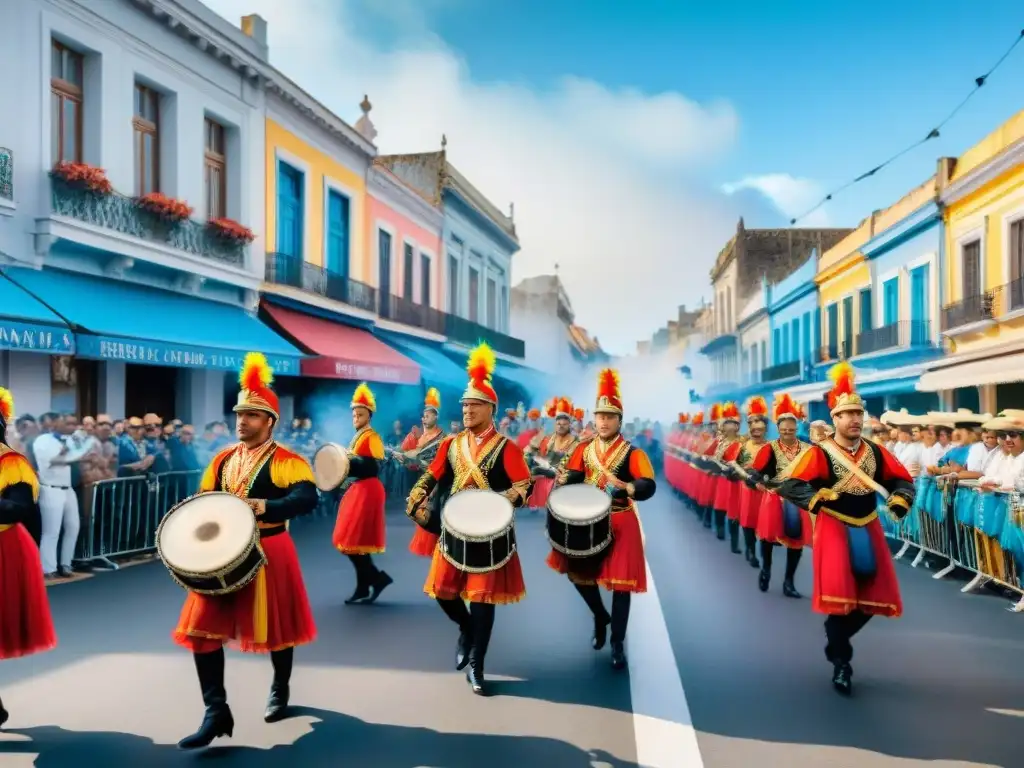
column 483, row 624
column 842, row 678
column 720, row 524
column 3, row 714
column 380, row 582
column 734, row 537
column 709, row 515
column 217, row 721
column 620, row 622
column 792, row 561
column 592, row 597
column 750, row 545
column 457, row 611
column 277, row 703
column 362, row 591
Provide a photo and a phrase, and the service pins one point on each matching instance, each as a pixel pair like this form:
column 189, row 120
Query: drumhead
column 206, row 533
column 579, row 503
column 477, row 514
column 330, row 466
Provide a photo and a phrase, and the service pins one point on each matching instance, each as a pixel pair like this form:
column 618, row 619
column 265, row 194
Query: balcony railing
column 973, row 309
column 781, row 371
column 402, row 310
column 842, row 350
column 467, row 332
column 902, row 334
column 285, row 269
column 6, row 174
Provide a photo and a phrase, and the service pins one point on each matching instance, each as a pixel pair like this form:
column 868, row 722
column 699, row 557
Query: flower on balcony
column 84, row 177
column 164, row 207
column 229, row 229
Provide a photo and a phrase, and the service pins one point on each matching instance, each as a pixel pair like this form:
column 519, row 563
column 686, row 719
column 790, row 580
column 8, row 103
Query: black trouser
column 366, row 571
column 476, row 622
column 619, row 618
column 210, row 670
column 792, row 559
column 839, row 630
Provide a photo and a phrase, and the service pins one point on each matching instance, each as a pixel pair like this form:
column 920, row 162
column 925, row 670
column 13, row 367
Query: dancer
column 271, row 614
column 478, row 457
column 26, row 626
column 359, row 531
column 423, row 540
column 612, row 464
column 749, row 497
column 837, row 480
column 779, row 522
column 553, row 450
column 727, row 450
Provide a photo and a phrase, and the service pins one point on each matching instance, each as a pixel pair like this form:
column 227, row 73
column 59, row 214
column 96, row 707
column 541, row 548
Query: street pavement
column 720, row 675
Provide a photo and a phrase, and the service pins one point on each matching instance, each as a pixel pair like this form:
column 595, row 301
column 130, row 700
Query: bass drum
column 330, row 467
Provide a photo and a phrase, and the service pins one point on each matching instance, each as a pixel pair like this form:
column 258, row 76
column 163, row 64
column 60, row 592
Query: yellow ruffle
column 14, row 469
column 287, row 470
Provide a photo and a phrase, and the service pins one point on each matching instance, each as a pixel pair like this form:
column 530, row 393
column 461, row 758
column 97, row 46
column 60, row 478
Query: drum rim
column 226, row 590
column 594, row 550
column 344, row 454
column 559, row 518
column 476, row 539
column 513, row 548
column 224, row 570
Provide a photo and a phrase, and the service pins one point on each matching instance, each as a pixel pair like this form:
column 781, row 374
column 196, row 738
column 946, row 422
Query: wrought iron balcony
column 900, row 335
column 284, row 269
column 973, row 309
column 781, row 371
column 464, row 331
column 7, row 174
column 402, row 310
column 118, row 213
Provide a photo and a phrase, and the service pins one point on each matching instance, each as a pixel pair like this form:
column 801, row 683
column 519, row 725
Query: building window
column 503, row 309
column 474, row 295
column 492, row 304
column 337, row 233
column 215, row 165
column 1016, row 251
column 453, row 285
column 147, row 140
column 290, row 212
column 424, row 280
column 408, row 278
column 66, row 90
column 971, row 269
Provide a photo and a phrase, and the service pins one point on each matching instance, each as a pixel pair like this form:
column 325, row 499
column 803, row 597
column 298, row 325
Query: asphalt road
column 713, row 663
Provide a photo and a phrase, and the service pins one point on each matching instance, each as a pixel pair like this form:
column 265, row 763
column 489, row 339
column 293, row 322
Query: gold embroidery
column 786, row 457
column 847, row 481
column 598, row 471
column 464, row 469
column 748, row 453
column 240, row 469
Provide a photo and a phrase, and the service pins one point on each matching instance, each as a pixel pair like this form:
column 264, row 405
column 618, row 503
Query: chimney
column 255, row 26
column 364, row 124
column 947, row 166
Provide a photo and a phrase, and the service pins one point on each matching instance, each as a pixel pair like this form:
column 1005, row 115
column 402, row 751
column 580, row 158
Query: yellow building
column 843, row 274
column 983, row 273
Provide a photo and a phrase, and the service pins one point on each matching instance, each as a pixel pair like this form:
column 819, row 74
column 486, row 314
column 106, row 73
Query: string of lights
column 932, row 134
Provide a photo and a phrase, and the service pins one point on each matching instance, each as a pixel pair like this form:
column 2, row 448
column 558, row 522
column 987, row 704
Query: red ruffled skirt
column 542, row 488
column 423, row 542
column 706, row 485
column 359, row 529
column 622, row 569
column 208, row 621
column 749, row 504
column 771, row 524
column 26, row 626
column 723, row 500
column 500, row 587
column 836, row 591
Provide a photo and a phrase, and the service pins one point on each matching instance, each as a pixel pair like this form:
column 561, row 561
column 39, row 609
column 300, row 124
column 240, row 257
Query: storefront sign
column 174, row 355
column 26, row 337
column 334, row 368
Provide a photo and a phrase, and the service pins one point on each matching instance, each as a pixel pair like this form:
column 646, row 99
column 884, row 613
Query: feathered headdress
column 563, row 408
column 578, row 414
column 785, row 408
column 801, row 412
column 843, row 395
column 609, row 398
column 551, row 407
column 432, row 402
column 480, row 366
column 730, row 412
column 715, row 415
column 255, row 378
column 698, row 419
column 6, row 406
column 757, row 409
column 363, row 398
column 533, row 414
column 684, row 418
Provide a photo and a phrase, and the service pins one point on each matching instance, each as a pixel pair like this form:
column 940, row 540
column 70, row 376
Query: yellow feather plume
column 433, row 398
column 364, row 396
column 256, row 372
column 481, row 363
column 6, row 405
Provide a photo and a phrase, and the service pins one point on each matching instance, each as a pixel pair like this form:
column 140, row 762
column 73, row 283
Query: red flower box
column 164, row 207
column 87, row 178
column 231, row 230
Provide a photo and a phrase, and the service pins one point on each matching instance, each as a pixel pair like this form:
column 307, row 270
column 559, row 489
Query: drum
column 330, row 467
column 478, row 532
column 579, row 520
column 210, row 543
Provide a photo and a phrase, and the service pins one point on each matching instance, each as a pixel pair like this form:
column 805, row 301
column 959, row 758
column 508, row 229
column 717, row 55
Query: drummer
column 614, row 465
column 24, row 606
column 271, row 614
column 359, row 530
column 553, row 450
column 477, row 456
column 423, row 541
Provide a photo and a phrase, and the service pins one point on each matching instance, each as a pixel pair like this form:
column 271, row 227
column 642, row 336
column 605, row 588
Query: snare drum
column 330, row 467
column 579, row 520
column 478, row 532
column 210, row 544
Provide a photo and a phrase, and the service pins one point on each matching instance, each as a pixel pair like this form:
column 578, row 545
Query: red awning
column 344, row 352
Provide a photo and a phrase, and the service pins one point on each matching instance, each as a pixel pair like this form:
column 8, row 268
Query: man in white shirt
column 58, row 501
column 1005, row 472
column 908, row 451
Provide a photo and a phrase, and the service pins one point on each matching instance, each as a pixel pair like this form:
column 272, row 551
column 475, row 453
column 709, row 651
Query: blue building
column 794, row 321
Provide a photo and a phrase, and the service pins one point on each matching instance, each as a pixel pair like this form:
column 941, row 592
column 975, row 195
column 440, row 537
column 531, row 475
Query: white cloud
column 596, row 174
column 793, row 196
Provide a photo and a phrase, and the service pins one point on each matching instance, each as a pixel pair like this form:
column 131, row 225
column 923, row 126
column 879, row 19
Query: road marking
column 664, row 732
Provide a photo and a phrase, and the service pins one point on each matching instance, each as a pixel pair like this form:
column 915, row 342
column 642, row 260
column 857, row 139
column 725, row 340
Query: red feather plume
column 842, row 378
column 730, row 411
column 716, row 412
column 608, row 384
column 698, row 418
column 256, row 372
column 756, row 406
column 784, row 405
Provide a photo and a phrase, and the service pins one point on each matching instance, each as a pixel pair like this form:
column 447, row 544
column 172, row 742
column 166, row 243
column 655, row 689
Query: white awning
column 975, row 373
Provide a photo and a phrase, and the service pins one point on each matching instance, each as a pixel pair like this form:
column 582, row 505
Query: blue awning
column 899, row 386
column 126, row 322
column 532, row 381
column 27, row 325
column 436, row 368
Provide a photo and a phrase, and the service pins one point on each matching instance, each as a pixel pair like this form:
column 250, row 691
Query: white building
column 165, row 97
column 754, row 332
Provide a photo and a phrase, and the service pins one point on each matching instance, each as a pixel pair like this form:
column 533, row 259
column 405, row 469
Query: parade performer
column 726, row 452
column 612, row 464
column 692, row 451
column 424, row 541
column 26, row 626
column 837, row 480
column 780, row 522
column 359, row 531
column 748, row 496
column 531, row 430
column 553, row 449
column 271, row 614
column 478, row 457
column 705, row 464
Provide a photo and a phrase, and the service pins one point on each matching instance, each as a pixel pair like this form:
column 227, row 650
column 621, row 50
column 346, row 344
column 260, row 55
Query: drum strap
column 475, row 470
